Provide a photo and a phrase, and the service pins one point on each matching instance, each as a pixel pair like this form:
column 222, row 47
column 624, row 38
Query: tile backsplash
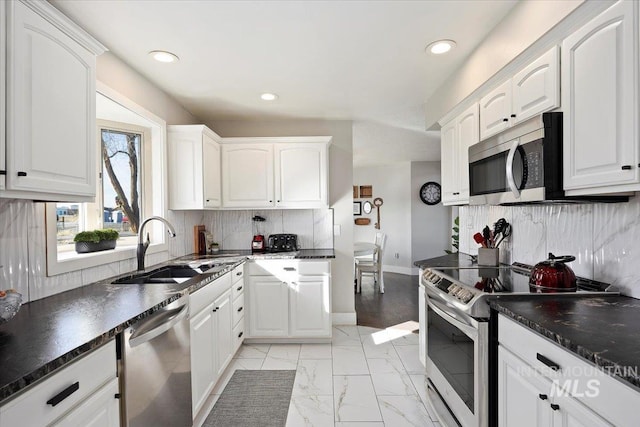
column 22, row 242
column 604, row 237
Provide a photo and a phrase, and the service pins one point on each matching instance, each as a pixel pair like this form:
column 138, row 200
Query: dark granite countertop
column 450, row 260
column 48, row 333
column 602, row 330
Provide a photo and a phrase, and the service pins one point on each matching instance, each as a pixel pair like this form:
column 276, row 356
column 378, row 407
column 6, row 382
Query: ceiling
column 353, row 60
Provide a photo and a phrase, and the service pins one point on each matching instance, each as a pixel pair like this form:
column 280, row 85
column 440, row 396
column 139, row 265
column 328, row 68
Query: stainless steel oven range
column 457, row 338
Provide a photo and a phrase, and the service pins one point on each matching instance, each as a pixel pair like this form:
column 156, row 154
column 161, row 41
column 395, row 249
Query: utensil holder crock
column 489, row 257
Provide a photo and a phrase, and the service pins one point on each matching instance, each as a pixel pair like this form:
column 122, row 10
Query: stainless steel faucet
column 142, row 247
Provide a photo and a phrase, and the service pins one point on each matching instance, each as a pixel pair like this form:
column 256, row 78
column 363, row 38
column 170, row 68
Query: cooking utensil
column 486, row 233
column 506, row 232
column 479, row 239
column 553, row 275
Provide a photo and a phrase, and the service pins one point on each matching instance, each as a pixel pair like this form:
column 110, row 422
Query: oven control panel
column 460, row 292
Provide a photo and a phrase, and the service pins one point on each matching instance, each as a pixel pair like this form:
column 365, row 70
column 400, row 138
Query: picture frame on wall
column 357, row 208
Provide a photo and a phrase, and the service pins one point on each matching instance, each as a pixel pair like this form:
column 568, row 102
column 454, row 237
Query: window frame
column 154, row 180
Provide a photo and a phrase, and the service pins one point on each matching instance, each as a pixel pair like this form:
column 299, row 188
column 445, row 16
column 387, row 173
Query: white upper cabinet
column 301, row 175
column 536, row 88
column 456, row 138
column 50, row 112
column 600, row 81
column 247, row 175
column 194, row 168
column 275, row 172
column 495, row 110
column 533, row 90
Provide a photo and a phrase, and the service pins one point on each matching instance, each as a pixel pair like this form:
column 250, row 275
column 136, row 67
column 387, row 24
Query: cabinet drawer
column 100, row 409
column 237, row 274
column 237, row 289
column 238, row 309
column 288, row 269
column 205, row 296
column 84, row 376
column 238, row 335
column 589, row 384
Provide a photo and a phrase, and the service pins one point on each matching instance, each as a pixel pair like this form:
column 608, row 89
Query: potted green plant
column 95, row 240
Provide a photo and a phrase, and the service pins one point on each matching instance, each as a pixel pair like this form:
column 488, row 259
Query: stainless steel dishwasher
column 156, row 369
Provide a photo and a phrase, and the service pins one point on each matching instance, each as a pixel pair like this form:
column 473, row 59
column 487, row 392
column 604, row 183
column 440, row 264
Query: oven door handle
column 511, row 180
column 470, row 330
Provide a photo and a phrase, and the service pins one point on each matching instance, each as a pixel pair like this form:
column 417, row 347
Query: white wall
column 340, row 193
column 430, row 225
column 525, row 24
column 392, row 183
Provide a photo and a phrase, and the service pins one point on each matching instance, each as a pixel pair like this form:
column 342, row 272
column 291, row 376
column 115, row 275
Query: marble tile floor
column 365, row 377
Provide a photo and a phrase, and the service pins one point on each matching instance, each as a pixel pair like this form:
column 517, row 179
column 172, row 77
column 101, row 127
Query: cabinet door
column 536, row 88
column 598, row 98
column 224, row 329
column 468, row 133
column 268, row 307
column 101, row 409
column 203, row 369
column 247, row 175
column 3, row 74
column 211, row 172
column 309, row 307
column 51, row 135
column 523, row 395
column 185, row 170
column 301, row 175
column 449, row 160
column 571, row 413
column 495, row 110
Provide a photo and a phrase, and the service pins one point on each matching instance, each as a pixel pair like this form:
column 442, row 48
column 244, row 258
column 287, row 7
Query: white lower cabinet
column 99, row 410
column 289, row 299
column 82, row 393
column 268, row 307
column 542, row 384
column 211, row 338
column 223, row 320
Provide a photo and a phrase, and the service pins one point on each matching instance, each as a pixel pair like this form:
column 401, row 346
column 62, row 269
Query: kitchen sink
column 168, row 274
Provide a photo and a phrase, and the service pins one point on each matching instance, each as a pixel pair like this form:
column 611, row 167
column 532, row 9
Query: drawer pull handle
column 626, row 167
column 289, row 269
column 64, row 394
column 240, row 334
column 553, row 365
column 22, row 174
column 543, row 396
column 513, row 116
column 505, row 120
column 3, row 172
column 239, row 273
column 555, row 407
column 240, row 309
column 239, row 288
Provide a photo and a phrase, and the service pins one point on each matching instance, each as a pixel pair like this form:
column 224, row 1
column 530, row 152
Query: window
column 120, row 192
column 130, row 187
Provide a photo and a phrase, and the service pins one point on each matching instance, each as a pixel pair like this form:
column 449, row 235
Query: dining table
column 363, row 249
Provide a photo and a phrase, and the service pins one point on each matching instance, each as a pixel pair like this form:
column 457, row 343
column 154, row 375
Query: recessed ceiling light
column 440, row 46
column 269, row 96
column 163, row 56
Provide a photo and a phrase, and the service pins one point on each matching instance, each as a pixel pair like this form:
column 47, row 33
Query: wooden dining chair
column 373, row 267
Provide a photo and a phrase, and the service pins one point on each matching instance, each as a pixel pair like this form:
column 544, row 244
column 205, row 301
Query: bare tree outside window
column 121, row 164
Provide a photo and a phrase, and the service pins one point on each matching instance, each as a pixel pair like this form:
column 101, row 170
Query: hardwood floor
column 398, row 304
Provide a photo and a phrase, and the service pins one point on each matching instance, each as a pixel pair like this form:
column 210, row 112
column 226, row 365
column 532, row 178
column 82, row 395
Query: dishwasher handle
column 157, row 325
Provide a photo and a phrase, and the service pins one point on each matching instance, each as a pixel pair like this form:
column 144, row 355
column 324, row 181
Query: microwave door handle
column 510, row 178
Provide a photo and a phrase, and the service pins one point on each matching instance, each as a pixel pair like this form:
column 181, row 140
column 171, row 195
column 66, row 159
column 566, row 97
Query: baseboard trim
column 343, row 318
column 396, row 269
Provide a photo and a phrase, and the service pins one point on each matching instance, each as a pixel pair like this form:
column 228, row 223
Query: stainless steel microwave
column 520, row 165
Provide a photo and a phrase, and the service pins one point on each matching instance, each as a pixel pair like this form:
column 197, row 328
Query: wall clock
column 431, row 193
